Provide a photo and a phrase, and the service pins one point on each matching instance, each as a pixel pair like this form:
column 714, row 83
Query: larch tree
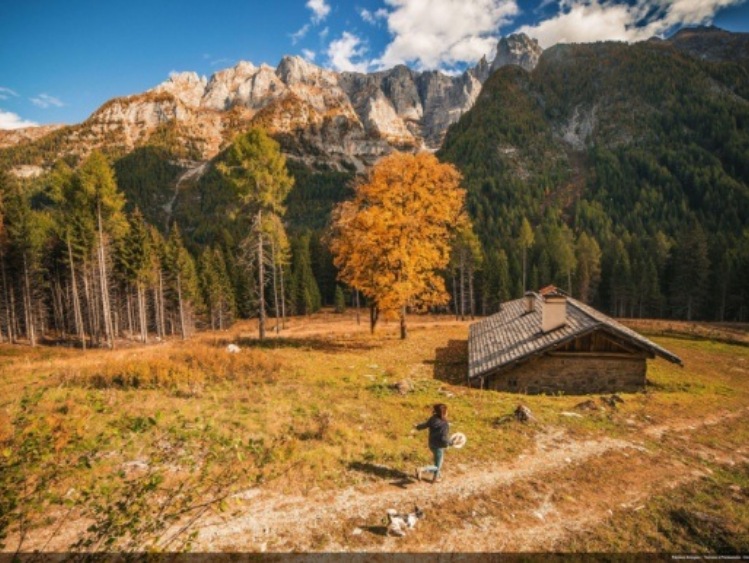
column 96, row 180
column 255, row 167
column 390, row 241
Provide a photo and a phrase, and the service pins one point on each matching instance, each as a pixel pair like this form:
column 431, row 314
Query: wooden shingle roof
column 514, row 336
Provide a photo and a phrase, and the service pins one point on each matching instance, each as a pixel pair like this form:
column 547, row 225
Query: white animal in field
column 399, row 523
column 233, row 349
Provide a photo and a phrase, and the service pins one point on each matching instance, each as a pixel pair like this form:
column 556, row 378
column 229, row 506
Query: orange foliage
column 389, row 241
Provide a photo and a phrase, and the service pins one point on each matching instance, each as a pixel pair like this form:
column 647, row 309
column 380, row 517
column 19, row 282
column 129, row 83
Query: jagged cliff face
column 317, row 114
column 518, row 50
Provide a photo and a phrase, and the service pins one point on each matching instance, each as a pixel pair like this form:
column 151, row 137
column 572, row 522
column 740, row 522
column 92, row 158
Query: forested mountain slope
column 641, row 150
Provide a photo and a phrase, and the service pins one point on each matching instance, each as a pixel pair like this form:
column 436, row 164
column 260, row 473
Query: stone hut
column 548, row 342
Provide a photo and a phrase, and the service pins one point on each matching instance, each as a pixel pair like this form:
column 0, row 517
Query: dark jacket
column 439, row 432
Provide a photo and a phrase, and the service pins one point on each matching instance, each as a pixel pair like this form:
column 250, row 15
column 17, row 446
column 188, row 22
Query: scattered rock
column 588, row 405
column 571, row 414
column 403, row 387
column 357, row 532
column 524, row 414
column 612, row 400
column 233, row 349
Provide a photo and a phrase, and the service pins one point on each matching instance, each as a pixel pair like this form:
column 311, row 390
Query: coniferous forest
column 617, row 172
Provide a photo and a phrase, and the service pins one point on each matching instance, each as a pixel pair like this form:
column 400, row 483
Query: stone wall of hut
column 573, row 375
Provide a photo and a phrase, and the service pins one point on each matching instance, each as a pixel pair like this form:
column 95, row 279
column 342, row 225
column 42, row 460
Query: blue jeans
column 439, row 454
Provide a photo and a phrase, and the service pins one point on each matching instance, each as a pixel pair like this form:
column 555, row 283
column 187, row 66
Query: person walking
column 439, row 436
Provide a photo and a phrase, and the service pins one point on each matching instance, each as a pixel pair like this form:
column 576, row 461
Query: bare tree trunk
column 373, row 317
column 404, row 328
column 7, row 301
column 283, row 297
column 462, row 290
column 182, row 327
column 129, row 307
column 77, row 315
column 356, row 297
column 58, row 308
column 160, row 317
column 275, row 288
column 27, row 306
column 261, row 276
column 455, row 297
column 91, row 308
column 470, row 293
column 104, row 284
column 142, row 313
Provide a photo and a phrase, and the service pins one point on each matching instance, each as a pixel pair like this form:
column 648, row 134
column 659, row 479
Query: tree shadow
column 450, row 363
column 317, row 344
column 397, row 477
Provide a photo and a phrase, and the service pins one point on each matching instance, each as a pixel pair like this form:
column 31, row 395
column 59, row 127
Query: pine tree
column 136, row 261
column 303, row 289
column 255, row 167
column 182, row 281
column 690, row 272
column 97, row 183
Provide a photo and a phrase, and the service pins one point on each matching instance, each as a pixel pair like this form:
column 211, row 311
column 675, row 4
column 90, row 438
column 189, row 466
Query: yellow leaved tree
column 390, row 241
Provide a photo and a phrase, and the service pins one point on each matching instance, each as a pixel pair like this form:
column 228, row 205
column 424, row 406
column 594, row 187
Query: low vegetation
column 129, row 449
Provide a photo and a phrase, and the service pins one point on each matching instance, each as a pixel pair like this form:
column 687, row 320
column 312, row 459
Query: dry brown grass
column 314, row 409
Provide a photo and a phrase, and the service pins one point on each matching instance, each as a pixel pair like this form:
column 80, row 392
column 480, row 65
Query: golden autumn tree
column 393, row 237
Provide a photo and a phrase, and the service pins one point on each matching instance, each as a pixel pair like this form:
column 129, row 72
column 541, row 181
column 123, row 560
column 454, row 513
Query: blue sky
column 59, row 61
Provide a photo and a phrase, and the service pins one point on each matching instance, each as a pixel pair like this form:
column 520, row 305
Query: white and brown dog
column 399, row 523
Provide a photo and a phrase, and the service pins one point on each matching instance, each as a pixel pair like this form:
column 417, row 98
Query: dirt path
column 343, row 520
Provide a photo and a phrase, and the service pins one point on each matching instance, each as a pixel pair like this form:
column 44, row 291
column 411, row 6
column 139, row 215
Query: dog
column 398, row 524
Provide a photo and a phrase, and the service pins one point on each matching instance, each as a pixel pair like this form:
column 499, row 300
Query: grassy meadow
column 131, row 449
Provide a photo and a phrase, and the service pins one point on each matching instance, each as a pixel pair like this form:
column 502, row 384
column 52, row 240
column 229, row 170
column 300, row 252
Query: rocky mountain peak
column 517, row 49
column 186, row 86
column 296, row 70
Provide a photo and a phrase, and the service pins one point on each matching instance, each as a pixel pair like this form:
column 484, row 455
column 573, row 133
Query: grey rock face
column 320, row 114
column 517, row 49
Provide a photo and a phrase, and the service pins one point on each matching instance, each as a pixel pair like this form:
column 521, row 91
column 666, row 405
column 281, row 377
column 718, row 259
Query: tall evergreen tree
column 690, row 272
column 97, row 183
column 255, row 167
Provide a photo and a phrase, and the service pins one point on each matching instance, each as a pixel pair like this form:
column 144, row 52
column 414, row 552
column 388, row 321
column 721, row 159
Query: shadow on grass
column 317, row 344
column 376, row 530
column 451, row 362
column 399, row 478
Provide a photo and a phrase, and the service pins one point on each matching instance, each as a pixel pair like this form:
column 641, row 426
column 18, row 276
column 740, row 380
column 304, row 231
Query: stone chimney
column 530, row 302
column 554, row 314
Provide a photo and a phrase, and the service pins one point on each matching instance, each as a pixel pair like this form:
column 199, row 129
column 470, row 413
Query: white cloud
column 583, row 21
column 45, row 101
column 6, row 93
column 308, row 54
column 441, row 33
column 320, row 10
column 299, row 35
column 373, row 17
column 9, row 120
column 342, row 52
column 324, row 33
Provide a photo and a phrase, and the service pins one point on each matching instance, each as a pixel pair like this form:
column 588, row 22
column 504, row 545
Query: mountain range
column 630, row 162
column 347, row 119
